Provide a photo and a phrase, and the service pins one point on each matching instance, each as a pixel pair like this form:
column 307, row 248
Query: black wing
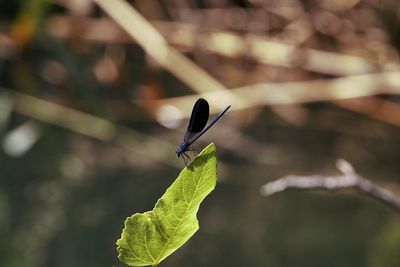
column 198, row 119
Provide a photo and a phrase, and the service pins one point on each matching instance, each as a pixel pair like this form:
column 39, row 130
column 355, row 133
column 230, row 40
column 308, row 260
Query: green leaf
column 150, row 237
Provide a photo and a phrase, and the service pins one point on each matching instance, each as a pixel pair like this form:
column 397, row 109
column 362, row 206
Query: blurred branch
column 102, row 30
column 186, row 36
column 307, row 91
column 271, row 52
column 348, row 179
column 266, row 51
column 375, row 107
column 94, row 127
column 157, row 47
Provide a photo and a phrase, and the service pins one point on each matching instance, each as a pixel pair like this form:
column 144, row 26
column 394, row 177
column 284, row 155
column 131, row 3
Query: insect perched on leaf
column 195, row 129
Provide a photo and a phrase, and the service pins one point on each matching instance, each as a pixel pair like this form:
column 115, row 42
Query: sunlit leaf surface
column 150, row 237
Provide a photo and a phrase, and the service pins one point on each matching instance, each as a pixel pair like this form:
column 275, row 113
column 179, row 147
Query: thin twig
column 157, row 47
column 348, row 179
column 378, row 108
column 306, row 91
column 94, row 127
column 225, row 43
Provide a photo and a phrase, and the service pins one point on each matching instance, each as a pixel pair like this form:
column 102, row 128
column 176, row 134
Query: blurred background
column 91, row 116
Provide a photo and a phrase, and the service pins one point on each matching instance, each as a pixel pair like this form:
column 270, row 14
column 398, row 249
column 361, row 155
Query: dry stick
column 374, row 107
column 308, row 91
column 92, row 126
column 260, row 49
column 157, row 47
column 226, row 44
column 154, row 44
column 349, row 179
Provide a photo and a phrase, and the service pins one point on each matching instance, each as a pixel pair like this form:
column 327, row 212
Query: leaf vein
column 145, row 242
column 187, row 208
column 160, row 229
column 138, row 243
column 136, row 256
column 173, row 209
column 166, row 221
column 183, row 193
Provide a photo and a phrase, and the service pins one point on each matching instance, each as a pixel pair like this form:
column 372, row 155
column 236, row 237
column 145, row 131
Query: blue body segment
column 195, row 130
